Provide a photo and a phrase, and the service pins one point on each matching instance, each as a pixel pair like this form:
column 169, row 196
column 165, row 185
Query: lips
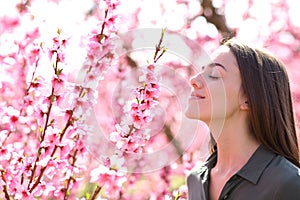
column 196, row 95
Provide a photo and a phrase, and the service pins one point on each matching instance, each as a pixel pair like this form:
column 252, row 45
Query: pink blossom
column 140, row 119
column 44, row 189
column 44, row 161
column 34, row 54
column 65, row 150
column 112, row 4
column 52, row 138
column 24, row 194
column 52, row 167
column 9, row 22
column 110, row 180
column 96, row 174
column 58, row 82
column 111, row 25
column 4, row 154
column 27, row 166
column 57, row 48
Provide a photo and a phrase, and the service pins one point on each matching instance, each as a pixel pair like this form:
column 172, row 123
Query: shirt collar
column 257, row 163
column 207, row 166
column 251, row 171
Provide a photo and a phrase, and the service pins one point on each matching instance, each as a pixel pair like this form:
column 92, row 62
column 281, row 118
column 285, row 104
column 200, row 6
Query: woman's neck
column 235, row 146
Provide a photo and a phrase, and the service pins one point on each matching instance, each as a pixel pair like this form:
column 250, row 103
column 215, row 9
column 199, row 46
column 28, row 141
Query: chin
column 192, row 112
column 193, row 115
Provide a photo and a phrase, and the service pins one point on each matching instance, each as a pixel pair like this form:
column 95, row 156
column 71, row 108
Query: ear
column 245, row 106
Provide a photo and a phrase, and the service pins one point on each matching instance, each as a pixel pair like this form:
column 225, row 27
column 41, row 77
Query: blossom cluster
column 131, row 134
column 41, row 131
column 49, row 129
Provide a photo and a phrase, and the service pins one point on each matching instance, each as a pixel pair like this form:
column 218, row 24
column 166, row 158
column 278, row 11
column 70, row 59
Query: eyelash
column 213, row 77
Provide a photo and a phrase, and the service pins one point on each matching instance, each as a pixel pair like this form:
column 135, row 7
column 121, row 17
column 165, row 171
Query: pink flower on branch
column 43, row 166
column 132, row 135
column 53, row 125
column 110, row 178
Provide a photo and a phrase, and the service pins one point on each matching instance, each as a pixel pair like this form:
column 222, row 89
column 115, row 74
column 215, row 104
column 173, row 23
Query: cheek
column 218, row 95
column 224, row 100
column 218, row 103
column 232, row 100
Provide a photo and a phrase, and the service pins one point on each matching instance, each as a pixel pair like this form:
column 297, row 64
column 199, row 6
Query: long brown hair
column 266, row 84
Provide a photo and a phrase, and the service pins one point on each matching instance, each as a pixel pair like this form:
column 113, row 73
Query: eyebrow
column 217, row 64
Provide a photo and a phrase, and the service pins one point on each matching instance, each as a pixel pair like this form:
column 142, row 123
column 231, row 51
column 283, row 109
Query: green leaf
column 52, row 121
column 163, row 31
column 59, row 71
column 68, row 193
column 87, row 195
column 101, row 37
column 52, row 98
column 177, row 196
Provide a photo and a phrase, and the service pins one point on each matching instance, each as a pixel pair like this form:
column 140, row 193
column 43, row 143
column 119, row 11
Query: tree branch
column 211, row 15
column 173, row 140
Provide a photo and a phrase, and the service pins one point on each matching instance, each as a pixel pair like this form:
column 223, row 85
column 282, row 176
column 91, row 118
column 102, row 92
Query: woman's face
column 216, row 92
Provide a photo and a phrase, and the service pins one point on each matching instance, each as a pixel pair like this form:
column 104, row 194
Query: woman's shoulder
column 274, row 166
column 286, row 176
column 194, row 181
column 285, row 168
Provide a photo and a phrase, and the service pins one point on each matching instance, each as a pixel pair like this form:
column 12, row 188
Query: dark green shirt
column 265, row 176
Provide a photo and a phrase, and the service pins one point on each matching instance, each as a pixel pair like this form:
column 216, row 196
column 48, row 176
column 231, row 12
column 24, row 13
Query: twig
column 96, row 192
column 4, row 186
column 158, row 47
column 44, row 131
column 173, row 140
column 70, row 178
column 52, row 154
column 216, row 19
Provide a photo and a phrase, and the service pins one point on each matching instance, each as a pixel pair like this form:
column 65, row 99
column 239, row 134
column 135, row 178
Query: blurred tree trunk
column 212, row 16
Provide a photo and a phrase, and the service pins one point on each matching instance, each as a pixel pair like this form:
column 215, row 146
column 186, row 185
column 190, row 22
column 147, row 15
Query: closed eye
column 213, row 77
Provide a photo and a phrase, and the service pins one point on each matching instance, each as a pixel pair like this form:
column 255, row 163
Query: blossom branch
column 174, row 141
column 26, row 94
column 4, row 186
column 68, row 124
column 51, row 100
column 31, row 83
column 66, row 195
column 129, row 135
column 159, row 48
column 101, row 36
column 70, row 120
column 96, row 192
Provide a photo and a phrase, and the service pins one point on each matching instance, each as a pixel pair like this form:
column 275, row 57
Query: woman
column 244, row 98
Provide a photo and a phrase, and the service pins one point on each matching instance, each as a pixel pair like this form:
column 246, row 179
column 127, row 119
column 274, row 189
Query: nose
column 197, row 81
